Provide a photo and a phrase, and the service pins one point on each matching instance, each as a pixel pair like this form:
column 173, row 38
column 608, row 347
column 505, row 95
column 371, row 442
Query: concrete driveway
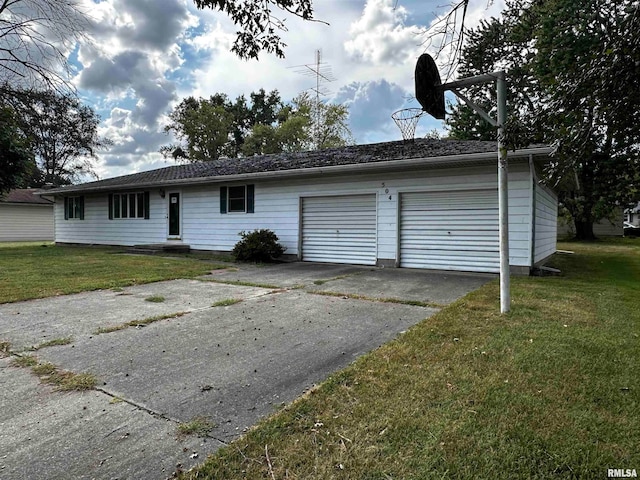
column 231, row 363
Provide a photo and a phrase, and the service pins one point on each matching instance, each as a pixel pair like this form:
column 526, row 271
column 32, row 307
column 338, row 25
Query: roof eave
column 371, row 167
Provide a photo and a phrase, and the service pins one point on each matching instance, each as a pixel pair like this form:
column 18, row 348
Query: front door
column 174, row 215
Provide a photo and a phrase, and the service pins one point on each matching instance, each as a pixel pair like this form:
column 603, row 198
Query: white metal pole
column 503, row 196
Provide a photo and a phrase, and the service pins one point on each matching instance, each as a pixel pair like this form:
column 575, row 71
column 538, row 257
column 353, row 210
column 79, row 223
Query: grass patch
column 226, row 302
column 199, row 426
column 52, row 343
column 549, row 390
column 31, row 271
column 240, row 283
column 52, row 375
column 356, row 296
column 138, row 323
column 5, row 349
column 25, row 361
column 155, row 299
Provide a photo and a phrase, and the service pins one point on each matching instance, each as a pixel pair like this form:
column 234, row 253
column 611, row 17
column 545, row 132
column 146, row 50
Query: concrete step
column 154, row 248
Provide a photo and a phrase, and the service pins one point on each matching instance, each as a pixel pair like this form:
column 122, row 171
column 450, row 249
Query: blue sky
column 141, row 57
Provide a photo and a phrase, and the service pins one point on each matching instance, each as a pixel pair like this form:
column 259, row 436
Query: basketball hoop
column 406, row 120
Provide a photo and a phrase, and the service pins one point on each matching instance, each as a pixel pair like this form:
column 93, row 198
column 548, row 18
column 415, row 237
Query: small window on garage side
column 237, row 199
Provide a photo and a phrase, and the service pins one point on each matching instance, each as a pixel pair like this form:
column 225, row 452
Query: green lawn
column 36, row 270
column 550, row 390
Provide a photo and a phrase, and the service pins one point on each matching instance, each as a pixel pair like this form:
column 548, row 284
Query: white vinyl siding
column 26, row 222
column 96, row 228
column 450, row 230
column 339, row 229
column 546, row 216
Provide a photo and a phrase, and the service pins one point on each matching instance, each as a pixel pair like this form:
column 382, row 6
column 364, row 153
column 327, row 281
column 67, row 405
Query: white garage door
column 450, row 230
column 339, row 229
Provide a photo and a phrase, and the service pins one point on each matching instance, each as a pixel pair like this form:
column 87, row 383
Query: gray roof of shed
column 25, row 196
column 377, row 153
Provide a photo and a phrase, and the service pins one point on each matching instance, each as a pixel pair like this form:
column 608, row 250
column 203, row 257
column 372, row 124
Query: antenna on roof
column 322, row 73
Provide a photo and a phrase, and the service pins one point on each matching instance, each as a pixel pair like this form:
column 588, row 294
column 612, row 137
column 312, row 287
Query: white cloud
column 380, row 35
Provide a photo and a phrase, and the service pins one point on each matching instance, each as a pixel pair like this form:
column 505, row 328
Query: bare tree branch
column 36, row 37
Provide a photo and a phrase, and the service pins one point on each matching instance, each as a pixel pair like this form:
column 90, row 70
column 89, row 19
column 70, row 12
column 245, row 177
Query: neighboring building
column 25, row 216
column 632, row 215
column 423, row 204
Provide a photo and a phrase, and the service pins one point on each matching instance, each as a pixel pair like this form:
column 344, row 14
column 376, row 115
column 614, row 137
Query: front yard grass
column 30, row 271
column 549, row 390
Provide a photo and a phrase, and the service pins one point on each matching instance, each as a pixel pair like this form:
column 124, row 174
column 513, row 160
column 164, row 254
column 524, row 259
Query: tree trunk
column 584, row 229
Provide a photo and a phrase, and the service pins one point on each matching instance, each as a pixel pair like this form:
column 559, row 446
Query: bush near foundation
column 258, row 246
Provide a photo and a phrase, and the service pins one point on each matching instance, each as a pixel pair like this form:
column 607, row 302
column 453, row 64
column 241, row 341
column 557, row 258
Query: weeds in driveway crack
column 239, row 283
column 226, row 302
column 355, row 296
column 138, row 323
column 337, row 277
column 155, row 299
column 52, row 375
column 52, row 343
column 199, row 426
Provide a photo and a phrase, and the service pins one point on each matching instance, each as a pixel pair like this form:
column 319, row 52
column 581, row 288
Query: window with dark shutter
column 237, row 199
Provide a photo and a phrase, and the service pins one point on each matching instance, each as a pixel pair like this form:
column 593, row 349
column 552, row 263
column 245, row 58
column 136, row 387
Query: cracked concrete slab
column 235, row 364
column 27, row 324
column 45, row 434
column 439, row 288
column 287, row 275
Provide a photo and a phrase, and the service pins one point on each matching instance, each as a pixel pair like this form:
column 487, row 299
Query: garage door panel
column 450, row 230
column 340, row 229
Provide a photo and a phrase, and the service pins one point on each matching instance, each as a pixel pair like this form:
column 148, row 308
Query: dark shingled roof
column 24, row 195
column 350, row 155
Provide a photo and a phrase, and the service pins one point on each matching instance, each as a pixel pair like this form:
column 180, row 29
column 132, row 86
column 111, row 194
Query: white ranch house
column 424, row 204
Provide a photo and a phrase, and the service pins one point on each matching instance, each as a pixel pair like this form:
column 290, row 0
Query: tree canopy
column 259, row 27
column 207, row 129
column 17, row 163
column 573, row 68
column 62, row 133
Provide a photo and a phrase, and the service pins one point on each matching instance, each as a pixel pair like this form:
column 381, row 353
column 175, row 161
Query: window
column 129, row 205
column 74, row 208
column 237, row 199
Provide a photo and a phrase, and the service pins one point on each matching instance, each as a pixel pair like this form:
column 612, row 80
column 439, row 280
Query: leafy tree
column 327, row 122
column 208, row 129
column 203, row 125
column 62, row 131
column 573, row 68
column 36, row 37
column 217, row 127
column 17, row 158
column 259, row 27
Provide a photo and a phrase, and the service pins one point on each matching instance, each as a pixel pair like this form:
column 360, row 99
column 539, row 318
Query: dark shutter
column 223, row 199
column 146, row 205
column 111, row 206
column 66, row 208
column 250, row 198
column 81, row 201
